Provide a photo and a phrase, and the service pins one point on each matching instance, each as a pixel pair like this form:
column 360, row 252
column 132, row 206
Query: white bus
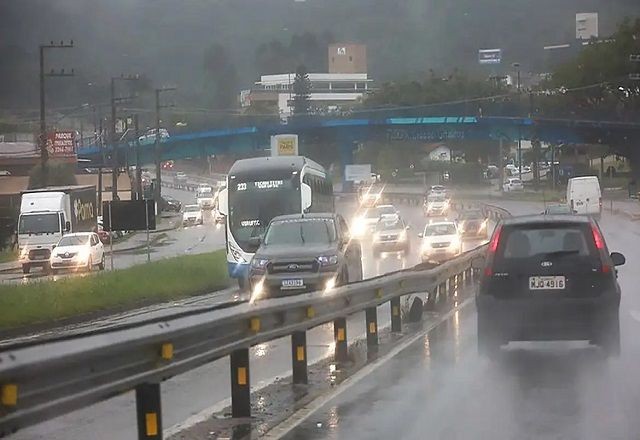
column 262, row 188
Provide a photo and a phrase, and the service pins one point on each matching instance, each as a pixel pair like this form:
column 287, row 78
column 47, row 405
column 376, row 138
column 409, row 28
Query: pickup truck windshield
column 39, row 224
column 317, row 231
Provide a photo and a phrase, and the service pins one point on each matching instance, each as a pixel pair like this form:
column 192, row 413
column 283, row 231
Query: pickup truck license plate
column 547, row 283
column 292, row 284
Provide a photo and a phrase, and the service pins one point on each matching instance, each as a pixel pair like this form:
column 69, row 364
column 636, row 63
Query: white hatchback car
column 513, row 184
column 81, row 250
column 440, row 242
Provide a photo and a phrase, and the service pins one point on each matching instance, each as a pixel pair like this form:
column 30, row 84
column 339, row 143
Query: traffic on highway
column 312, row 220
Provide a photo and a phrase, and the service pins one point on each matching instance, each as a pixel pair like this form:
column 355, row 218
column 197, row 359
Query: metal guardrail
column 43, row 381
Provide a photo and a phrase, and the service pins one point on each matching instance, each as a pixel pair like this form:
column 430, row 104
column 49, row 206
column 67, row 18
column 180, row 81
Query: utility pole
column 114, row 136
column 157, row 150
column 136, row 124
column 42, row 139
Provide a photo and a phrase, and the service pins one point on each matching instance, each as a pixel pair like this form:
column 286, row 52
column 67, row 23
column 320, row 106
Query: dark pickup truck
column 302, row 253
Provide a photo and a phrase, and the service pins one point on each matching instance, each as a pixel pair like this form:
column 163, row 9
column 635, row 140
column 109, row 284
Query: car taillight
column 599, row 242
column 597, row 237
column 493, row 247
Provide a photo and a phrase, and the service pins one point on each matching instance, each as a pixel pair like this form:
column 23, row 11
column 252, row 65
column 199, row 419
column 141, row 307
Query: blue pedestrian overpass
column 348, row 132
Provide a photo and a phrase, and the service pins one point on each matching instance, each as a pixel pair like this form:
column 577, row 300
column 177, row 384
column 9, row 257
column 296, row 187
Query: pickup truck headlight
column 328, row 260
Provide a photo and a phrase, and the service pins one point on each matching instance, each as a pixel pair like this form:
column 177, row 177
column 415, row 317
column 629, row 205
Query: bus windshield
column 253, row 204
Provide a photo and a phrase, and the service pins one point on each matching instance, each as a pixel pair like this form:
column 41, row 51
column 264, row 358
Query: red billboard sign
column 61, row 143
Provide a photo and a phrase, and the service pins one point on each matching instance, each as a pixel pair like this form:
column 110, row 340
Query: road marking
column 305, row 412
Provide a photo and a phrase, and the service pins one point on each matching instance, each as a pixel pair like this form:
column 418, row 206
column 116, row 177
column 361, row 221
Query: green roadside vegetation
column 45, row 302
column 8, row 255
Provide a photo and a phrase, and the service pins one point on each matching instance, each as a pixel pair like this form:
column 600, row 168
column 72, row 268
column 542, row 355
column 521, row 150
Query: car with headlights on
column 440, row 242
column 365, row 223
column 548, row 277
column 79, row 251
column 472, row 223
column 302, row 253
column 391, row 236
column 436, row 205
column 192, row 215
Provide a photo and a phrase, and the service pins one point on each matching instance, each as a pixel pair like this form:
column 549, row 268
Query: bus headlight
column 259, row 263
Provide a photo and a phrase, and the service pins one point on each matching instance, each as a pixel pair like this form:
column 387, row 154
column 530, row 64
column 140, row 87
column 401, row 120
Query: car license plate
column 547, row 283
column 292, row 284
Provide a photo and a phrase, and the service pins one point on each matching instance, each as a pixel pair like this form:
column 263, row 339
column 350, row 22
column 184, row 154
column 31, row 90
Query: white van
column 584, row 196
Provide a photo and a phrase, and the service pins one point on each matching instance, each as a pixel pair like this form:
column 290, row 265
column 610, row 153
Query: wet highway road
column 439, row 388
column 183, row 396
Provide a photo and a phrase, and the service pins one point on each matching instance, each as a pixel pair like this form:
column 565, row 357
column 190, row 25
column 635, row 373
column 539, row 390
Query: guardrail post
column 299, row 357
column 396, row 318
column 149, row 411
column 240, row 385
column 340, row 338
column 371, row 315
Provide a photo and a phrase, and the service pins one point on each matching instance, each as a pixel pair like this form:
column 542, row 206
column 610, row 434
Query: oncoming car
column 391, row 236
column 365, row 223
column 79, row 251
column 440, row 242
column 548, row 278
column 302, row 253
column 472, row 224
column 436, row 205
column 192, row 215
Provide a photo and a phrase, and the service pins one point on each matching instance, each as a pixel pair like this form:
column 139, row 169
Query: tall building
column 347, row 58
column 331, row 93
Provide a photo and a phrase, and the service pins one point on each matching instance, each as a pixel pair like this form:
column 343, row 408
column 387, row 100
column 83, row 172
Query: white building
column 329, row 91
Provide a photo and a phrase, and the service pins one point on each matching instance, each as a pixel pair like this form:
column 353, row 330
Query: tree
column 58, row 174
column 301, row 92
column 221, row 80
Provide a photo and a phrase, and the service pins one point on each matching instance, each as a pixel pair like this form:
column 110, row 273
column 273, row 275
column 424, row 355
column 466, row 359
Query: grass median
column 43, row 302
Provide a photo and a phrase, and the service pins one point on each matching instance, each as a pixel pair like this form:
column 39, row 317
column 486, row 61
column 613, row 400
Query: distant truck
column 205, row 197
column 47, row 214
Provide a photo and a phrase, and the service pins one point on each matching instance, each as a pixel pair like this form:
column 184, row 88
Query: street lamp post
column 517, row 67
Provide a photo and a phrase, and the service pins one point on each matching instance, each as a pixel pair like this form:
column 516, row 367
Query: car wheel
column 607, row 334
column 101, row 265
column 488, row 340
column 26, row 268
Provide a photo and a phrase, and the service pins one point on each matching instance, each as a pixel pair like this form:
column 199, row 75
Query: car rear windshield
column 546, row 240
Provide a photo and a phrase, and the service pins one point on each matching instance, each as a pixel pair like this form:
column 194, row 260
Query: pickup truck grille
column 293, row 267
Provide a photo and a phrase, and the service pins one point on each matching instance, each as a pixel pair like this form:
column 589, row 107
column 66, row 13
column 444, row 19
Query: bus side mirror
column 306, row 196
column 223, row 201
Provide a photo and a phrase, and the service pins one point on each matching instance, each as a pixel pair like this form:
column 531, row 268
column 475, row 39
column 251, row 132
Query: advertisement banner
column 61, row 143
column 284, row 145
column 357, row 173
column 490, row 56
